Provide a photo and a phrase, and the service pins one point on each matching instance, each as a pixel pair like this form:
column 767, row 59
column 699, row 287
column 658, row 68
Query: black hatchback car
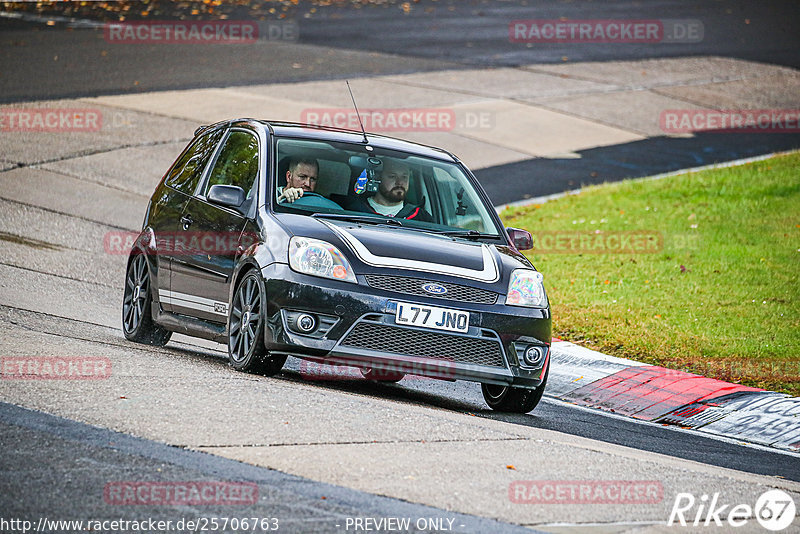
column 339, row 247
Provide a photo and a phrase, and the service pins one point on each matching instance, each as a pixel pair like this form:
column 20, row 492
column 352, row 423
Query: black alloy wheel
column 246, row 350
column 137, row 319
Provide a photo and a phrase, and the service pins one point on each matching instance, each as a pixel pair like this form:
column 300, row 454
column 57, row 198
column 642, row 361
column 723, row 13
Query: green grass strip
column 697, row 272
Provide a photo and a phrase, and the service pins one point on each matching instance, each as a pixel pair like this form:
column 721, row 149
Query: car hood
column 396, row 248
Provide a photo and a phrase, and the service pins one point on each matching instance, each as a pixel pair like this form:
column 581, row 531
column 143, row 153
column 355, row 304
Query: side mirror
column 522, row 239
column 226, row 195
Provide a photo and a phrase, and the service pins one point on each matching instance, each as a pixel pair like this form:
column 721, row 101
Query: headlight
column 526, row 289
column 319, row 258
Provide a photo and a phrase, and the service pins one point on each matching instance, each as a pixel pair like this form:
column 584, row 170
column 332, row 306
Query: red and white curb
column 647, row 392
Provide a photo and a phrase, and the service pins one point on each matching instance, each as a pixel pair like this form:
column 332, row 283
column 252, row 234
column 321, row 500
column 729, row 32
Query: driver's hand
column 290, row 194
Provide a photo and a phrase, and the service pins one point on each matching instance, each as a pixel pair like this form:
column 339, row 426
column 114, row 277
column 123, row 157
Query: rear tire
column 246, row 350
column 513, row 399
column 137, row 316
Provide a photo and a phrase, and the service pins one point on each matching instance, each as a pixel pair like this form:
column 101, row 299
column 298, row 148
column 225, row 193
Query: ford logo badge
column 435, row 289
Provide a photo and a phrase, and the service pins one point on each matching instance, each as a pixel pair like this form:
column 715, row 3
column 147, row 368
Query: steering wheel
column 314, row 200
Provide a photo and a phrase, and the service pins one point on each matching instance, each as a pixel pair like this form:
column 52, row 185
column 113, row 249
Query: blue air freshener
column 361, row 183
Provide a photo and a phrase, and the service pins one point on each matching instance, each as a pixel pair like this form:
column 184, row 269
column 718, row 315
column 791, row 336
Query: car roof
column 325, row 133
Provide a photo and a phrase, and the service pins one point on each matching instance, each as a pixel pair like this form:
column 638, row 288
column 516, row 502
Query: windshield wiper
column 468, row 234
column 366, row 219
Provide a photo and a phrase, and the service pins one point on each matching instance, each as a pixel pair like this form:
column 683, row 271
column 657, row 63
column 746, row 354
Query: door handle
column 187, row 221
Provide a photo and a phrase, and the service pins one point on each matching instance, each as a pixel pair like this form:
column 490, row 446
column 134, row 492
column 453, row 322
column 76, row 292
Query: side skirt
column 191, row 326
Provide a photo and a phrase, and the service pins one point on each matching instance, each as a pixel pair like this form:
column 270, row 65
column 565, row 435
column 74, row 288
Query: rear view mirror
column 363, row 162
column 226, row 195
column 522, row 239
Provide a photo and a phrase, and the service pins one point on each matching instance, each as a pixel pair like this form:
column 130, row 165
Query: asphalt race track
column 320, row 454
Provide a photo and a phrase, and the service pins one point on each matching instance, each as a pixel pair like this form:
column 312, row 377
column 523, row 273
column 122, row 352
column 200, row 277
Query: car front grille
column 413, row 286
column 424, row 344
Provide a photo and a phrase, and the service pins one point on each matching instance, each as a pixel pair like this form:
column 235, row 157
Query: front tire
column 137, row 317
column 246, row 350
column 513, row 399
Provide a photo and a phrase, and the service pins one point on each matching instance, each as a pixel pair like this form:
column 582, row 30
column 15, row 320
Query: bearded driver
column 390, row 199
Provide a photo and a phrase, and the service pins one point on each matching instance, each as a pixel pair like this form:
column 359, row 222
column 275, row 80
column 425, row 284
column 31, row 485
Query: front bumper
column 360, row 330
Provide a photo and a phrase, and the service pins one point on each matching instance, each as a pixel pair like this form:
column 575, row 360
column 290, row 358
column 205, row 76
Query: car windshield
column 348, row 182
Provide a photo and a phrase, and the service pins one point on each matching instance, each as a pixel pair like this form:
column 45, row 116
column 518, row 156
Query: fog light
column 305, row 323
column 308, row 324
column 533, row 355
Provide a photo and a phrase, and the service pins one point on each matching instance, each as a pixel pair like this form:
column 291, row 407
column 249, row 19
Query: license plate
column 432, row 317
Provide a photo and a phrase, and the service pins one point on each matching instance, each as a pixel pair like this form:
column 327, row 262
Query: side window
column 459, row 203
column 237, row 163
column 186, row 172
